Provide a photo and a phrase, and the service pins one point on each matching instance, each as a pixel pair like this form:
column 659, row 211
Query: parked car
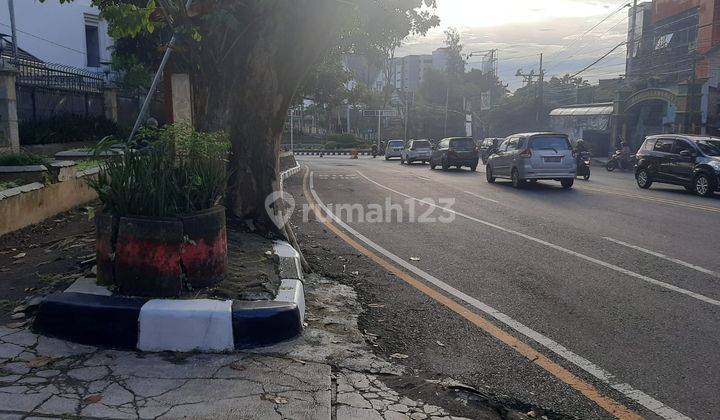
column 533, row 157
column 394, row 149
column 455, row 151
column 488, row 146
column 690, row 161
column 416, row 150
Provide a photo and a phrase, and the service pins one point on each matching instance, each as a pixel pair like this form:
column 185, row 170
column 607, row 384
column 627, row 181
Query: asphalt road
column 620, row 286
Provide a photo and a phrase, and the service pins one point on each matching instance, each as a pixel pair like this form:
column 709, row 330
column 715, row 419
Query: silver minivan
column 532, row 157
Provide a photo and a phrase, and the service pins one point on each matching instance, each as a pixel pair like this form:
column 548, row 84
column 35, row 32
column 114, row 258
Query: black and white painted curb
column 89, row 314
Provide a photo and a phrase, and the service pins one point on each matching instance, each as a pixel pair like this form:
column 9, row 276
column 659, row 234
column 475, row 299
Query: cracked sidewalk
column 327, row 373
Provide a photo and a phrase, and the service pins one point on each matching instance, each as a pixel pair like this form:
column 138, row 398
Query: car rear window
column 462, row 144
column 396, row 143
column 550, row 143
column 421, row 144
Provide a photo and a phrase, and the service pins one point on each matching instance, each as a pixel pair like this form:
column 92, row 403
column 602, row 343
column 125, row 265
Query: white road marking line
column 665, row 257
column 481, row 197
column 613, row 267
column 466, row 192
column 596, row 371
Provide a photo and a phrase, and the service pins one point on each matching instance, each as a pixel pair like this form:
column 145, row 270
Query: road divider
column 386, row 261
column 587, row 258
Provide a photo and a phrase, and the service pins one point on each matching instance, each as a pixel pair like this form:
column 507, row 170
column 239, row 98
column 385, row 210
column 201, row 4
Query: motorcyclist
column 581, row 147
column 374, row 149
column 625, row 153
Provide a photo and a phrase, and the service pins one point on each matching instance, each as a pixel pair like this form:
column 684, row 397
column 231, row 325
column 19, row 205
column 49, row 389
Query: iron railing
column 56, row 76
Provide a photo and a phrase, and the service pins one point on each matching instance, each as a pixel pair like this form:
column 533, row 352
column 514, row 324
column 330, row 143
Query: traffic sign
column 380, row 113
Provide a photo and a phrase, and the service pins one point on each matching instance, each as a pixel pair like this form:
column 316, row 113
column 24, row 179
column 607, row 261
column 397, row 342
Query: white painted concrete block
column 186, row 325
column 284, row 249
column 292, row 291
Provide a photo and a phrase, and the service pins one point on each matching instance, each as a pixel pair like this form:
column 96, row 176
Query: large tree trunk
column 246, row 88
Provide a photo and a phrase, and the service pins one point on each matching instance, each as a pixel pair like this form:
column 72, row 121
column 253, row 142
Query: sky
column 522, row 29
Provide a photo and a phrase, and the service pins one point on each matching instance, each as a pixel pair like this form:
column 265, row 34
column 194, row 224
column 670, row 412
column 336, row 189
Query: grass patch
column 6, row 185
column 84, row 165
column 21, row 159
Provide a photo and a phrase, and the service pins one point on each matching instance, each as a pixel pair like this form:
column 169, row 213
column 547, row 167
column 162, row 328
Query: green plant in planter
column 178, row 172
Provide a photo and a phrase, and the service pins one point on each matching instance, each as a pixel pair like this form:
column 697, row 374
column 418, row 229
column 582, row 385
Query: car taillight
column 527, row 153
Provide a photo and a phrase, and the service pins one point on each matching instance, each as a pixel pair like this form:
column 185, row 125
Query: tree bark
column 246, row 88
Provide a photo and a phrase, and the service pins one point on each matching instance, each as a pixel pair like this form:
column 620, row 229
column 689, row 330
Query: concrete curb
column 88, row 314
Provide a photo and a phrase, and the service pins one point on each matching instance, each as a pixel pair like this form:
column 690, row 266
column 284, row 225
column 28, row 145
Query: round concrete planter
column 161, row 257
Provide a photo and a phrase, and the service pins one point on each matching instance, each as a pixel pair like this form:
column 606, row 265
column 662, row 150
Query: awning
column 583, row 110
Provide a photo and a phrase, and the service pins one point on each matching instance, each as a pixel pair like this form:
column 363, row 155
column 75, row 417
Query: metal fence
column 52, row 76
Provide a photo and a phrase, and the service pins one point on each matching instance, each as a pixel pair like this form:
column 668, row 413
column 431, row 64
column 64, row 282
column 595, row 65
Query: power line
column 613, row 13
column 575, row 54
column 45, row 39
column 600, row 59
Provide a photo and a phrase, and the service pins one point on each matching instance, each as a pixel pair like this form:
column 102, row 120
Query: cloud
column 557, row 37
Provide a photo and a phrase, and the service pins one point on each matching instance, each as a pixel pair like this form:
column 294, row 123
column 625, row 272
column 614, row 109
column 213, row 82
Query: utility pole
column 11, row 7
column 407, row 110
column 447, row 103
column 379, row 120
column 631, row 45
column 541, row 90
column 347, row 119
column 292, row 129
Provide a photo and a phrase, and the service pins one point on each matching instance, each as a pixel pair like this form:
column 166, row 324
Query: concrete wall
column 55, row 32
column 29, row 206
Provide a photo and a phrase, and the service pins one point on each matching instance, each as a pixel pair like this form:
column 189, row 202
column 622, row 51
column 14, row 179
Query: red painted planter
column 156, row 257
column 147, row 257
column 205, row 251
column 105, row 236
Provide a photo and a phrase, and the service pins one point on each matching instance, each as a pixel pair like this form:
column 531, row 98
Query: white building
column 71, row 34
column 409, row 71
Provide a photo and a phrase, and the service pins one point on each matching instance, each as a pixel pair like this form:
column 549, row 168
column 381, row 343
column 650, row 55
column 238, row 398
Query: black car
column 455, row 151
column 690, row 161
column 488, row 146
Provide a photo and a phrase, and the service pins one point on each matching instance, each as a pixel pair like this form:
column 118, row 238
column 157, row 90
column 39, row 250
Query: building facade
column 408, row 73
column 70, row 34
column 671, row 70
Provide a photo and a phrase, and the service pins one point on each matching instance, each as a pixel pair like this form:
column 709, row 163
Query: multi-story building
column 408, row 73
column 71, row 34
column 671, row 71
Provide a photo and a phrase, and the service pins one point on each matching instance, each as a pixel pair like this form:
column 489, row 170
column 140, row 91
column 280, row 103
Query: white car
column 416, row 151
column 394, row 149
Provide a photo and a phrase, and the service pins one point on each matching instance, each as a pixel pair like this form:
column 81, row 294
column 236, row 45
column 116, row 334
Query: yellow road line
column 613, row 407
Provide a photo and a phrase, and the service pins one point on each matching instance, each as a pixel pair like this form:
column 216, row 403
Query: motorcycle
column 618, row 160
column 583, row 165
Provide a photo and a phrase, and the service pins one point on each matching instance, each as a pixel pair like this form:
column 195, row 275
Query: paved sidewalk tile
column 42, row 376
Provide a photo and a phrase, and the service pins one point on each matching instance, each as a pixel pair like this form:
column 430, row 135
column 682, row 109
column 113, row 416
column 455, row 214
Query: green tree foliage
column 247, row 59
column 454, row 47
